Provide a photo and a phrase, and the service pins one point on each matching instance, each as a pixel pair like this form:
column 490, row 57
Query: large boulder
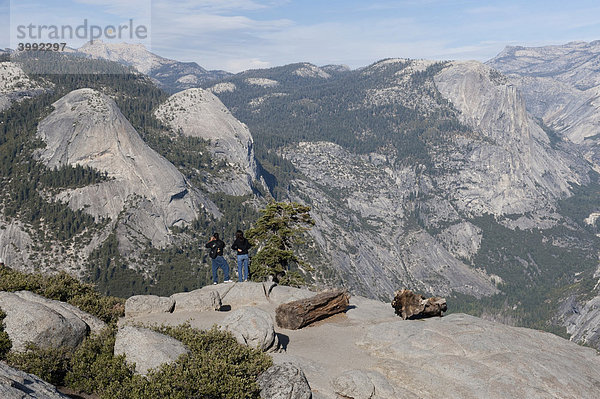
column 199, row 300
column 253, row 327
column 284, row 381
column 17, row 384
column 66, row 309
column 146, row 348
column 138, row 305
column 45, row 323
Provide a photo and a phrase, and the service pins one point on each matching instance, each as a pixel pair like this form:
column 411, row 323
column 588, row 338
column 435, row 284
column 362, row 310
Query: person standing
column 241, row 245
column 216, row 246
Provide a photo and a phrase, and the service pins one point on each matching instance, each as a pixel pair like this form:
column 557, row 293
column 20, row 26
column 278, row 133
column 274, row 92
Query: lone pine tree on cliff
column 281, row 227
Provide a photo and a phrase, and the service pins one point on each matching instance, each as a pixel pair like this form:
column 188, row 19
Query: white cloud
column 238, row 65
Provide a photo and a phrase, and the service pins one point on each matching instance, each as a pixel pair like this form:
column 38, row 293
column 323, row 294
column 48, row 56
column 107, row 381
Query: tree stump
column 297, row 314
column 409, row 305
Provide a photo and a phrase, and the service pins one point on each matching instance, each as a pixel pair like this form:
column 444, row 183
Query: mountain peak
column 87, row 128
column 199, row 113
column 131, row 54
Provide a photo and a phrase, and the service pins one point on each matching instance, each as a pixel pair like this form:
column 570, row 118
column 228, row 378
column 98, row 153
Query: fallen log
column 409, row 305
column 297, row 314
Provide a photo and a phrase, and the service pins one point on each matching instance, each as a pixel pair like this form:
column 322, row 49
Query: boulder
column 146, row 304
column 409, row 305
column 45, row 324
column 244, row 294
column 146, row 348
column 199, row 300
column 66, row 309
column 17, row 384
column 284, row 381
column 253, row 327
column 300, row 313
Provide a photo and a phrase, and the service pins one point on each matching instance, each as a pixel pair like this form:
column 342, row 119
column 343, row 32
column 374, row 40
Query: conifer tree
column 275, row 233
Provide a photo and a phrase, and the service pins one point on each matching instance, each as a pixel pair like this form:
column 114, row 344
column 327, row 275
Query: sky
column 236, row 35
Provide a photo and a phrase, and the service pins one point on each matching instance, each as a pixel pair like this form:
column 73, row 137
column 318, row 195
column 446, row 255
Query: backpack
column 213, row 252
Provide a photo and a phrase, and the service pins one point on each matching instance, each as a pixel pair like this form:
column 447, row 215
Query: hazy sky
column 240, row 34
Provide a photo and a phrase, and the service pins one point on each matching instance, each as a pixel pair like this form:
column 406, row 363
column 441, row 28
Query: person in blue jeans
column 241, row 246
column 216, row 247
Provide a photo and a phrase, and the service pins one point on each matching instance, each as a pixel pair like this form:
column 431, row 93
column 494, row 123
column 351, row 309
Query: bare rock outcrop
column 14, row 244
column 366, row 384
column 253, row 327
column 467, row 357
column 146, row 348
column 95, row 325
column 280, row 294
column 199, row 113
column 284, row 381
column 582, row 320
column 409, row 305
column 17, row 384
column 516, row 170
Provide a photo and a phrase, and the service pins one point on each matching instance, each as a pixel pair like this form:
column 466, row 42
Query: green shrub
column 50, row 364
column 63, row 287
column 216, row 367
column 93, row 367
column 5, row 343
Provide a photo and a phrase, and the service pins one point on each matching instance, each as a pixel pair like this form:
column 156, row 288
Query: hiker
column 241, row 245
column 216, row 254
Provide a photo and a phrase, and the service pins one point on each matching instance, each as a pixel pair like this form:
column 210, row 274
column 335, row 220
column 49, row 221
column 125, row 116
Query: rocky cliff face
column 144, row 195
column 199, row 113
column 511, row 168
column 561, row 86
column 366, row 205
column 362, row 208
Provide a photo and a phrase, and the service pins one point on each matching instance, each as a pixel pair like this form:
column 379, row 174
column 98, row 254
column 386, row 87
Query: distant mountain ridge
column 169, row 74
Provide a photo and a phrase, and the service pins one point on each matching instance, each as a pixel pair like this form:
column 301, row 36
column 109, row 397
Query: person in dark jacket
column 241, row 246
column 216, row 254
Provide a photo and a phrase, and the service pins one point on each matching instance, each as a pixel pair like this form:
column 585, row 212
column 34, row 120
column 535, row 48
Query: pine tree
column 281, row 227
